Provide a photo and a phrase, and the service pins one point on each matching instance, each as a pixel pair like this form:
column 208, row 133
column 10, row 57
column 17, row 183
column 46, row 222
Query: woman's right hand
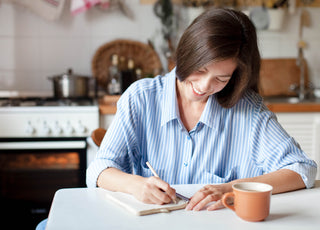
column 153, row 190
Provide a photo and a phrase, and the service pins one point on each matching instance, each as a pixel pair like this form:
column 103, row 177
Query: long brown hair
column 219, row 34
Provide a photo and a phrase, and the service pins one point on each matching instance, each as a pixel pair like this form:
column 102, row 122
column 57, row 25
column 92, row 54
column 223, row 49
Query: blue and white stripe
column 240, row 142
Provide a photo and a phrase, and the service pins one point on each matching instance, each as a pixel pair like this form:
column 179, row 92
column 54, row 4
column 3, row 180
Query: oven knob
column 81, row 128
column 30, row 129
column 45, row 129
column 69, row 129
column 57, row 130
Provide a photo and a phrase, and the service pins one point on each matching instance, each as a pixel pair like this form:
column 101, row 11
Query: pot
column 69, row 85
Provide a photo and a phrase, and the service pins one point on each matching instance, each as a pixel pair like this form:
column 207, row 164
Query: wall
column 32, row 48
column 284, row 43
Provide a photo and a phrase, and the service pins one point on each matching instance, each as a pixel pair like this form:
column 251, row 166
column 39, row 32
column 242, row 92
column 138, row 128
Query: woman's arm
column 283, row 180
column 151, row 190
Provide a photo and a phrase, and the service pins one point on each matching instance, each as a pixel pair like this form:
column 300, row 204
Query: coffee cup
column 251, row 200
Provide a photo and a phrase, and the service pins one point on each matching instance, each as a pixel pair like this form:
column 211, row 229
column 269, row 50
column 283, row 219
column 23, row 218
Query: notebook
column 131, row 204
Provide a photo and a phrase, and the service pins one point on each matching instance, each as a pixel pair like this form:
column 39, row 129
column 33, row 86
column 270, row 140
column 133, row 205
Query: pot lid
column 69, row 74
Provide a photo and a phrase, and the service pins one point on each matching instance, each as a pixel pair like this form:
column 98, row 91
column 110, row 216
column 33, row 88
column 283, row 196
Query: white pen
column 156, row 175
column 152, row 170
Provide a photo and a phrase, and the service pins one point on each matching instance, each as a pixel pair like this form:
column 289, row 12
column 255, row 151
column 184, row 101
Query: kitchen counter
column 108, row 105
column 292, row 104
column 293, row 108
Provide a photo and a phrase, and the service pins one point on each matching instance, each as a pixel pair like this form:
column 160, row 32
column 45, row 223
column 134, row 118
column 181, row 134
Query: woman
column 203, row 122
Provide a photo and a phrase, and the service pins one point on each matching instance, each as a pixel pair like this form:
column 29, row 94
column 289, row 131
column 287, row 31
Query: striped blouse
column 226, row 144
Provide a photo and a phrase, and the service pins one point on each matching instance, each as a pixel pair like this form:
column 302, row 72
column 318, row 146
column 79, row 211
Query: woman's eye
column 200, row 71
column 222, row 80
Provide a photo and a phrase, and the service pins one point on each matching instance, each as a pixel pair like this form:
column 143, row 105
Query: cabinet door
column 305, row 129
column 316, row 156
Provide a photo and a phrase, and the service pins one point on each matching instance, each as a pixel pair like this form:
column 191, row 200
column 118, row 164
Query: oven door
column 32, row 170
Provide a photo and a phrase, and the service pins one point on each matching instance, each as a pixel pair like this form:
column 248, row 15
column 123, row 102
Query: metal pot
column 69, row 85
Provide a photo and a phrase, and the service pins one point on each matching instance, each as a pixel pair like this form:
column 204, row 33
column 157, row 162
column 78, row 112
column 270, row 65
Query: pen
column 156, row 175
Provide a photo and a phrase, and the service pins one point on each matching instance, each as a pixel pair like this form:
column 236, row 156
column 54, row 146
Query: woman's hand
column 207, row 194
column 153, row 190
column 283, row 180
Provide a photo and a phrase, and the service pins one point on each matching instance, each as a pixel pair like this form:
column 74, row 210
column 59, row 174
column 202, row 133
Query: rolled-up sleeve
column 116, row 144
column 274, row 148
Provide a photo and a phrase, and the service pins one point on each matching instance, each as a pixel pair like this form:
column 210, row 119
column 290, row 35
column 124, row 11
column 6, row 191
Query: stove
column 48, row 117
column 45, row 101
column 43, row 147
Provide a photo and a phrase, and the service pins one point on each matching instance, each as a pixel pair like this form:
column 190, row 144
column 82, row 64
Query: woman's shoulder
column 145, row 89
column 253, row 100
column 147, row 85
column 152, row 86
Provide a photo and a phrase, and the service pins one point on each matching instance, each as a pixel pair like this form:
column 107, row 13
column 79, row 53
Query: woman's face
column 207, row 80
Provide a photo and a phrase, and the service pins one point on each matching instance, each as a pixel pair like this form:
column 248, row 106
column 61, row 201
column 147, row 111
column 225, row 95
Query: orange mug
column 251, row 200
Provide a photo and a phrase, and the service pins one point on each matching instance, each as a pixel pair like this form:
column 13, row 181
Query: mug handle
column 225, row 198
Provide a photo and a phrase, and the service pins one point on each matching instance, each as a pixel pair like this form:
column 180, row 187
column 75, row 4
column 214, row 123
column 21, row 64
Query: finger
column 153, row 195
column 196, row 198
column 159, row 197
column 166, row 188
column 162, row 191
column 217, row 205
column 208, row 199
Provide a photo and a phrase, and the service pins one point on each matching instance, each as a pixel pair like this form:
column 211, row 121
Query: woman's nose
column 206, row 84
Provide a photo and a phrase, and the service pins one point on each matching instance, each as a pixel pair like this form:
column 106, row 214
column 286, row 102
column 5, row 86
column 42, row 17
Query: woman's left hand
column 207, row 194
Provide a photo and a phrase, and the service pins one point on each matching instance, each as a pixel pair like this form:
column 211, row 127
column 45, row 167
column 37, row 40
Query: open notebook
column 131, row 204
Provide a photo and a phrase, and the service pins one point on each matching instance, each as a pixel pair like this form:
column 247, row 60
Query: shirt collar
column 211, row 113
column 170, row 109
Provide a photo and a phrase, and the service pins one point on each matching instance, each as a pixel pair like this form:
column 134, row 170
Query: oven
column 43, row 148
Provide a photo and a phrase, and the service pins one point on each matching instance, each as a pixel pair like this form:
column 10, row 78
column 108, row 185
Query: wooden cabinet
column 305, row 129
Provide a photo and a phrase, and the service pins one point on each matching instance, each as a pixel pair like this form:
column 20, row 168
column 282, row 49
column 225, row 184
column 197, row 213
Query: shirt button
column 185, row 164
column 188, row 137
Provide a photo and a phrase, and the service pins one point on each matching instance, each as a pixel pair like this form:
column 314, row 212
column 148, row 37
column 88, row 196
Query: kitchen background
column 45, row 142
column 33, row 48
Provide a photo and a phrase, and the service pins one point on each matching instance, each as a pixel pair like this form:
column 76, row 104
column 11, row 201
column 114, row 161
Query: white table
column 85, row 208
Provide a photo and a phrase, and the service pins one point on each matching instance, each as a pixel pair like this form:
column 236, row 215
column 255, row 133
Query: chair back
column 97, row 135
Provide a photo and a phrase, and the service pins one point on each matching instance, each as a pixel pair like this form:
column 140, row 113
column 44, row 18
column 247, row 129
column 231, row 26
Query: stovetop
column 45, row 101
column 31, row 117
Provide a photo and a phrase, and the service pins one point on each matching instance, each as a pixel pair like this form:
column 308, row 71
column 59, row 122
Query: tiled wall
column 32, row 48
column 284, row 43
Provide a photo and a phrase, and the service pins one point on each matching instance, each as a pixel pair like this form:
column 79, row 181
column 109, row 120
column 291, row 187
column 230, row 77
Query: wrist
column 134, row 184
column 228, row 186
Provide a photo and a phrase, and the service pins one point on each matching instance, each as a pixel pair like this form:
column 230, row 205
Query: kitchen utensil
column 69, row 85
column 304, row 22
column 278, row 74
column 279, row 3
column 276, row 18
column 260, row 17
